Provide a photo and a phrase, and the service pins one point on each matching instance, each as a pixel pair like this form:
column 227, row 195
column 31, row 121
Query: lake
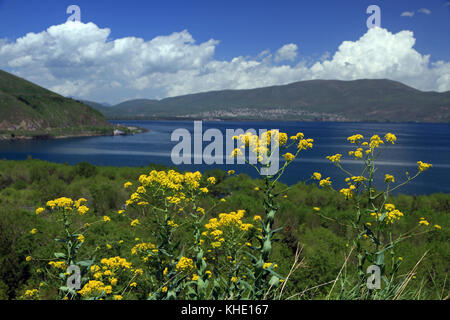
column 425, row 142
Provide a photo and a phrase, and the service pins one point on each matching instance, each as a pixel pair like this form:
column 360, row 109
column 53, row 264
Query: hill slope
column 29, row 110
column 332, row 100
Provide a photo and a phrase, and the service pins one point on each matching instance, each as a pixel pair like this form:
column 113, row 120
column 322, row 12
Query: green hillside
column 29, row 110
column 330, row 100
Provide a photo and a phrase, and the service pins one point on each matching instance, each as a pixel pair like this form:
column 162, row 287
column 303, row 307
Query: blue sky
column 248, row 29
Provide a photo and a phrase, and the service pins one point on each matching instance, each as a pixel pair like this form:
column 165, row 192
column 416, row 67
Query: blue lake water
column 425, row 142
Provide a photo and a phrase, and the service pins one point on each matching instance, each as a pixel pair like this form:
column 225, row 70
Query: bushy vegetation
column 156, row 233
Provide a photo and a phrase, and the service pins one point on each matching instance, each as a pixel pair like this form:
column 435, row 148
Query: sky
column 121, row 50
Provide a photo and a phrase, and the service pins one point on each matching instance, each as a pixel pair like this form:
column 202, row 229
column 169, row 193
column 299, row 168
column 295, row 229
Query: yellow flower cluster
column 135, row 222
column 67, row 204
column 229, row 219
column 375, row 141
column 390, row 138
column 424, row 222
column 172, row 224
column 317, row 176
column 358, row 153
column 269, row 264
column 144, row 247
column 184, row 264
column 305, row 144
column 259, row 145
column 127, row 185
column 212, row 180
column 172, row 179
column 116, row 262
column 358, row 178
column 58, row 264
column 82, row 210
column 288, row 157
column 389, row 178
column 236, row 153
column 33, row 293
column 174, row 187
column 63, row 203
column 423, row 166
column 226, row 224
column 80, row 202
column 325, row 182
column 94, row 288
column 348, row 192
column 392, row 214
column 355, row 138
column 336, row 158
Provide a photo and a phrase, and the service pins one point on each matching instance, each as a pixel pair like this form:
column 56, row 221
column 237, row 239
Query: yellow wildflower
column 355, row 138
column 325, row 182
column 82, row 210
column 389, row 178
column 184, row 264
column 288, row 156
column 390, row 138
column 127, row 184
column 317, row 176
column 423, row 166
column 336, row 158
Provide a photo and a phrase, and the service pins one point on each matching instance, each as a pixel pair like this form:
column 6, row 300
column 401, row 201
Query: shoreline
column 11, row 136
column 275, row 120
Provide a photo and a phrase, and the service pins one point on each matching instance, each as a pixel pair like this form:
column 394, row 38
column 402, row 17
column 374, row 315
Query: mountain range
column 314, row 100
column 28, row 110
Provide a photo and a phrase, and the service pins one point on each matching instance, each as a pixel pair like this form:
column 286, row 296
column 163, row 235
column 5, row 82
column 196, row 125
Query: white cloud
column 424, row 10
column 288, row 52
column 407, row 14
column 77, row 59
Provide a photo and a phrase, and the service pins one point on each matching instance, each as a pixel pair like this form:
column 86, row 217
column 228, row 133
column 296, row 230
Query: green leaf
column 380, row 259
column 60, row 255
column 85, row 263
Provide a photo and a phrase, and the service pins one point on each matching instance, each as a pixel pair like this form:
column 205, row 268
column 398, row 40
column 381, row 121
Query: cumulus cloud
column 79, row 59
column 424, row 10
column 288, row 52
column 407, row 14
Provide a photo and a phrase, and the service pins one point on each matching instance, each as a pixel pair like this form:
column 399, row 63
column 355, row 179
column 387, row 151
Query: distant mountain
column 318, row 100
column 29, row 110
column 93, row 104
